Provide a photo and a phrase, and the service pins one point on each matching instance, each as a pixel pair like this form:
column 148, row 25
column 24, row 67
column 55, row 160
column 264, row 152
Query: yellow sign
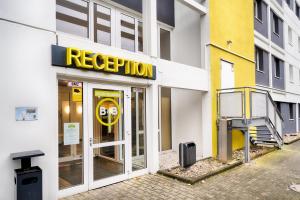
column 100, row 62
column 110, row 108
column 101, row 93
column 76, row 94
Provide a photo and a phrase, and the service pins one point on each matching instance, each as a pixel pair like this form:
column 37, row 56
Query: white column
column 206, row 125
column 150, row 27
column 152, row 128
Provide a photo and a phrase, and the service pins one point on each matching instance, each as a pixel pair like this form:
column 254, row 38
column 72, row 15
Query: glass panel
column 102, row 24
column 165, row 44
column 259, row 106
column 127, row 32
column 108, row 115
column 72, row 17
column 138, row 139
column 226, row 102
column 70, row 134
column 108, row 161
column 140, row 36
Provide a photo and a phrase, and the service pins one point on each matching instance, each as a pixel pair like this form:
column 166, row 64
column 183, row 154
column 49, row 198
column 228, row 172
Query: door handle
column 91, row 141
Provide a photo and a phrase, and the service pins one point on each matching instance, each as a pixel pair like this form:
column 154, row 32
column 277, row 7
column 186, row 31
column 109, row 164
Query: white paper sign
column 71, row 133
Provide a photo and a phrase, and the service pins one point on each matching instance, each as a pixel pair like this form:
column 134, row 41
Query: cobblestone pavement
column 267, row 177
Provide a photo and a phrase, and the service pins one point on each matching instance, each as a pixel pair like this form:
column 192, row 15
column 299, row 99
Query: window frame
column 165, row 27
column 258, row 10
column 277, row 60
column 259, row 56
column 275, row 21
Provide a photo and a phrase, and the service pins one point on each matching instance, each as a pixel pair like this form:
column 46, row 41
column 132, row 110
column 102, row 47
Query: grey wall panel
column 278, row 82
column 291, row 4
column 280, row 2
column 277, row 39
column 262, row 78
column 289, row 126
column 165, row 9
column 261, row 26
column 136, row 5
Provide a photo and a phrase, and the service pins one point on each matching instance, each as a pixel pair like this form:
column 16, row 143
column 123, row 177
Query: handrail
column 275, row 129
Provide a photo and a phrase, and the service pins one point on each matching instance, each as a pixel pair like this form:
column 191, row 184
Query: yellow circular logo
column 102, row 110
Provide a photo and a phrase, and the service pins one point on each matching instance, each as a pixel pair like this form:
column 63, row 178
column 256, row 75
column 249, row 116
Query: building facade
column 102, row 88
column 108, row 89
column 277, row 51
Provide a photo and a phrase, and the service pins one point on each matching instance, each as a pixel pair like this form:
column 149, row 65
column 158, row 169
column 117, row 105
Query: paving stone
column 267, row 178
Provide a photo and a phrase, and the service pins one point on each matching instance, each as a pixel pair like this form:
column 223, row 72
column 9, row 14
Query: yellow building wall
column 231, row 39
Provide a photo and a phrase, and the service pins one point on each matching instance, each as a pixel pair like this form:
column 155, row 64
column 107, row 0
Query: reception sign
column 72, row 57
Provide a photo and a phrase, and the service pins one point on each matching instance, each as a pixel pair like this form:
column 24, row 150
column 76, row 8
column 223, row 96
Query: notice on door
column 71, row 133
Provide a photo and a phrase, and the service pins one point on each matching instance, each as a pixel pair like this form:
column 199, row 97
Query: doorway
column 227, row 75
column 102, row 135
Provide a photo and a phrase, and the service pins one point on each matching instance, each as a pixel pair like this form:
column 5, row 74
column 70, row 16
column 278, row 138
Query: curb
column 292, row 141
column 213, row 173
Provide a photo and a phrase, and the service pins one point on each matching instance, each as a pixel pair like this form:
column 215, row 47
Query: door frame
column 127, row 135
column 87, row 119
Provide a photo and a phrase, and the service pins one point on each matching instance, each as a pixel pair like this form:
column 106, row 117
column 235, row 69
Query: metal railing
column 248, row 103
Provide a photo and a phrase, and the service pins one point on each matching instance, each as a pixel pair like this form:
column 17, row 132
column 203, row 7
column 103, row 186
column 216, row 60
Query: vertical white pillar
column 206, row 125
column 152, row 129
column 150, row 27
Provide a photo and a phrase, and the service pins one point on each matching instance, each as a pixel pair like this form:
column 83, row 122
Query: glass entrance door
column 109, row 134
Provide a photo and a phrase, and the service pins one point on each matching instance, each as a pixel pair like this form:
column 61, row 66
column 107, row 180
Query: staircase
column 254, row 112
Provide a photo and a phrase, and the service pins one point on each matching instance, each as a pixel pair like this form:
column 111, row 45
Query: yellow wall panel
column 231, row 39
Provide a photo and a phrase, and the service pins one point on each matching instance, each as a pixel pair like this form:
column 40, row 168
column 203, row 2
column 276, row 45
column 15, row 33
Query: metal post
column 247, row 146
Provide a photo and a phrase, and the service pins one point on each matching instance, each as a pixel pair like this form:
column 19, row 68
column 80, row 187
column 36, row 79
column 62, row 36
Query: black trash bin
column 28, row 179
column 187, row 154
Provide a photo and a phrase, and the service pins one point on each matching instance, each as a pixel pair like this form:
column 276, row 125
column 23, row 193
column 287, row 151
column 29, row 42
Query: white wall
column 186, row 36
column 31, row 12
column 27, row 79
column 186, row 109
column 292, row 50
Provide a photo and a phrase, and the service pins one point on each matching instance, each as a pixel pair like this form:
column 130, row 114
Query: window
column 290, row 35
column 258, row 9
column 127, row 32
column 102, row 24
column 275, row 24
column 278, row 106
column 72, row 17
column 140, row 36
column 70, row 117
column 277, row 67
column 259, row 58
column 298, row 10
column 110, row 26
column 165, row 44
column 291, row 109
column 291, row 73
